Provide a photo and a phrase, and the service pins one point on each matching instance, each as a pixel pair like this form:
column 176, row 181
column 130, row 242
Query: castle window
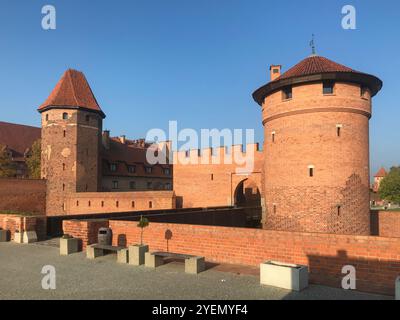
column 328, row 87
column 311, row 171
column 65, row 133
column 149, row 185
column 274, row 208
column 273, row 136
column 339, row 209
column 77, row 203
column 132, row 185
column 212, row 177
column 47, row 117
column 113, row 167
column 364, row 91
column 63, row 166
column 149, row 169
column 287, row 93
column 65, row 116
column 115, row 184
column 117, row 204
column 339, row 129
column 167, row 171
column 63, row 187
column 87, row 118
column 131, row 169
column 133, row 204
column 168, row 186
column 89, row 204
column 150, row 204
column 102, row 204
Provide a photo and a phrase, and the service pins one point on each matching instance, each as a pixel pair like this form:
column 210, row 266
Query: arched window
column 65, row 116
column 47, row 117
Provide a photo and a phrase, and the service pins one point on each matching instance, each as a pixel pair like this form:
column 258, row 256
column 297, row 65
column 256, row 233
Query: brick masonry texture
column 303, row 132
column 22, row 195
column 385, row 223
column 15, row 222
column 377, row 259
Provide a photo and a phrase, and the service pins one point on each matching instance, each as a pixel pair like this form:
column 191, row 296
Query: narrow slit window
column 89, row 203
column 63, row 187
column 63, row 166
column 65, row 116
column 133, row 204
column 117, row 204
column 339, row 130
column 311, row 171
column 47, row 117
column 150, row 204
column 339, row 209
column 212, row 177
column 273, row 137
column 77, row 203
column 274, row 208
column 65, row 133
column 102, row 204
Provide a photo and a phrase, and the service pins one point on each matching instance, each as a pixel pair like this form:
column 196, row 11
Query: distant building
column 378, row 177
column 18, row 140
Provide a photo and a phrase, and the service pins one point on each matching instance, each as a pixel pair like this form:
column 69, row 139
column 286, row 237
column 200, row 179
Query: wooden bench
column 97, row 250
column 193, row 264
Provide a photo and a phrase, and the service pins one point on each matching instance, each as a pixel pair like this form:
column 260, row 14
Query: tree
column 390, row 186
column 143, row 223
column 7, row 167
column 33, row 161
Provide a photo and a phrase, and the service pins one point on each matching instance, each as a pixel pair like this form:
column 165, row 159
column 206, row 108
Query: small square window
column 65, row 116
column 132, row 185
column 167, row 171
column 149, row 185
column 287, row 93
column 113, row 167
column 115, row 184
column 328, row 87
column 131, row 169
column 149, row 169
column 167, row 186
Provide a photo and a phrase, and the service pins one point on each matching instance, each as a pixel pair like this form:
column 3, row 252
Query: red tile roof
column 381, row 173
column 314, row 65
column 18, row 138
column 74, row 91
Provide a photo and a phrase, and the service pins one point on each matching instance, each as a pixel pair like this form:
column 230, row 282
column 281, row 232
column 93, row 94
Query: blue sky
column 196, row 62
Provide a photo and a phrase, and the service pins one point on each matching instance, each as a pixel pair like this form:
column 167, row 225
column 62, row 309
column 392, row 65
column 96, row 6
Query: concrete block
column 68, row 246
column 398, row 288
column 152, row 261
column 195, row 265
column 137, row 254
column 3, row 235
column 123, row 256
column 18, row 237
column 93, row 253
column 283, row 275
column 29, row 237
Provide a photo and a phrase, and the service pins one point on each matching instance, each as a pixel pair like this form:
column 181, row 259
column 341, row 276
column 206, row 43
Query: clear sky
column 197, row 62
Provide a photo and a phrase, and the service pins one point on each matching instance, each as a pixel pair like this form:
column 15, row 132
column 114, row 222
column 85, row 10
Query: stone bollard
column 68, row 245
column 136, row 254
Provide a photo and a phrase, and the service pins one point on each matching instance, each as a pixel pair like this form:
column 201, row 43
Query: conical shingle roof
column 72, row 91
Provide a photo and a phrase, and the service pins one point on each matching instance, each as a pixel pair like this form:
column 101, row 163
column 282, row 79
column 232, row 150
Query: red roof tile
column 74, row 91
column 314, row 65
column 381, row 173
column 18, row 138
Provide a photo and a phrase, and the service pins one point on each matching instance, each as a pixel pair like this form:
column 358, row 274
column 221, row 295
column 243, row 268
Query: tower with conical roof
column 316, row 147
column 71, row 140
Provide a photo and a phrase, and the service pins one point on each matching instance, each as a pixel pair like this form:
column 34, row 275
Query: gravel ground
column 80, row 278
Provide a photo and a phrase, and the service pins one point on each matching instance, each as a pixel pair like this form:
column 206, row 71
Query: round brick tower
column 316, row 147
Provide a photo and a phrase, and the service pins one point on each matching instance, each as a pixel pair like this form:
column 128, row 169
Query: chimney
column 275, row 71
column 106, row 139
column 122, row 139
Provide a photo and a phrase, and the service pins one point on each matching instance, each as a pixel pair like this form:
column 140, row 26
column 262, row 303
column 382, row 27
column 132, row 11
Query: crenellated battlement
column 220, row 155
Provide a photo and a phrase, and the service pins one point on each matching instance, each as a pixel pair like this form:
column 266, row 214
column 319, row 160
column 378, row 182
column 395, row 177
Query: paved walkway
column 80, row 278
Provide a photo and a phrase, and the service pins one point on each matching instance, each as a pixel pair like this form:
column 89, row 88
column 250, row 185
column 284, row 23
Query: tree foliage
column 33, row 161
column 143, row 223
column 7, row 167
column 390, row 186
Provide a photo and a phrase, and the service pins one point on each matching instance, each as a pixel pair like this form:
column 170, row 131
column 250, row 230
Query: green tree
column 33, row 161
column 143, row 223
column 7, row 167
column 390, row 186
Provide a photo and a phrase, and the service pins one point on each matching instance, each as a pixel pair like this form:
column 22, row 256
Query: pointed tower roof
column 381, row 173
column 314, row 69
column 72, row 92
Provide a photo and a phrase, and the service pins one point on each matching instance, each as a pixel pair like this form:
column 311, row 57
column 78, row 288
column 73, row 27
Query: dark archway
column 247, row 195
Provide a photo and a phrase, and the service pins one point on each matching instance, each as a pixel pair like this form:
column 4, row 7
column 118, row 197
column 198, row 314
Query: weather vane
column 312, row 45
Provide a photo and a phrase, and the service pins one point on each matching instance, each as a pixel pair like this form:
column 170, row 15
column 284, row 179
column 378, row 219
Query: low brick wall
column 376, row 259
column 15, row 222
column 85, row 230
column 23, row 195
column 110, row 202
column 385, row 223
